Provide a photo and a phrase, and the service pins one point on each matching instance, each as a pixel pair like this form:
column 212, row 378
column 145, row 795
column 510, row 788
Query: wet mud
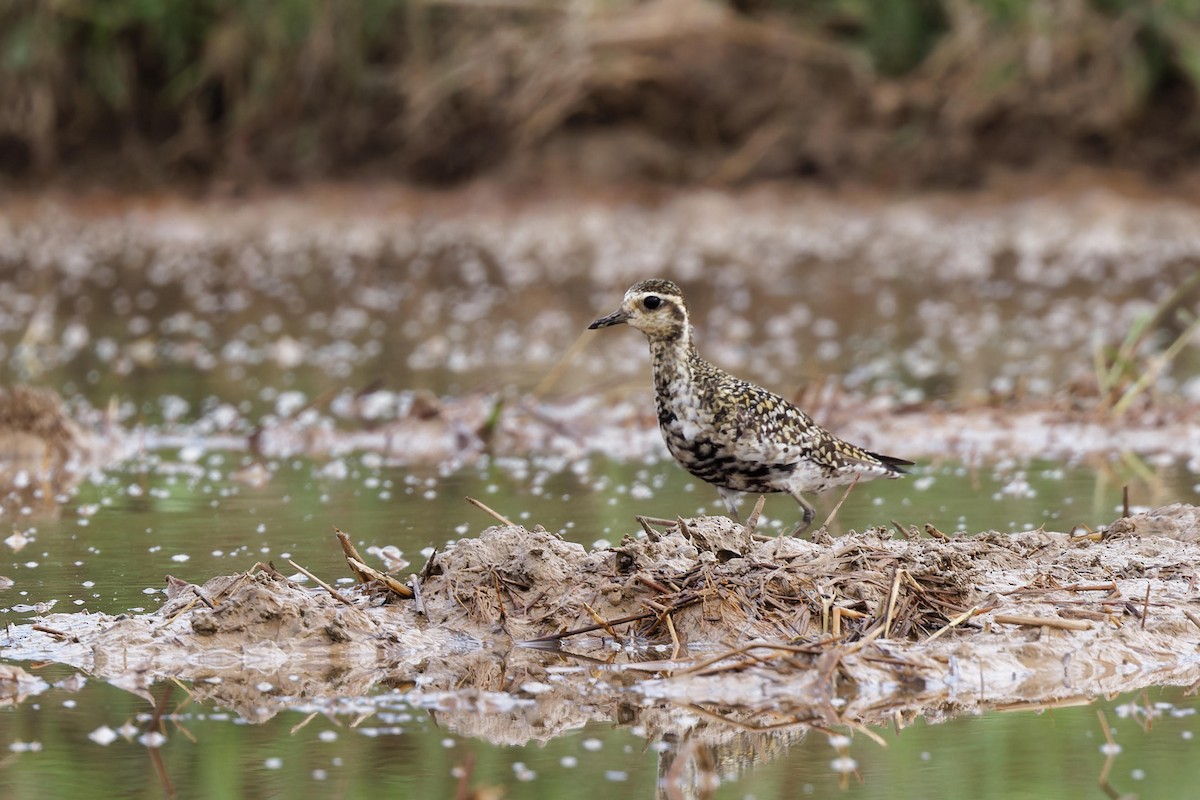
column 308, row 321
column 48, row 448
column 699, row 620
column 464, row 429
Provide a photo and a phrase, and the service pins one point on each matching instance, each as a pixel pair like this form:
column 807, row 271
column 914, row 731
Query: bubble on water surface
column 103, row 736
column 844, row 765
column 152, row 739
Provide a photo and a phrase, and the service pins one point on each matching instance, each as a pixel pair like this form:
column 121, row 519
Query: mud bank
column 429, row 431
column 697, row 623
column 461, row 430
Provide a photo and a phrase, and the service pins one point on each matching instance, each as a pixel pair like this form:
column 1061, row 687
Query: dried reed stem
column 838, row 507
column 334, row 592
column 1043, row 622
column 1146, row 606
column 960, row 619
column 352, row 556
column 893, row 595
column 496, row 515
column 752, row 520
column 387, row 580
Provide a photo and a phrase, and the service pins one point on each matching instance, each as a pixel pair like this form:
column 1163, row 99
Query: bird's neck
column 672, row 358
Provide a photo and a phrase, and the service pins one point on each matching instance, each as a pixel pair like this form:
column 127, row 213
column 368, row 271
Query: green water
column 206, row 752
column 126, row 529
column 109, row 548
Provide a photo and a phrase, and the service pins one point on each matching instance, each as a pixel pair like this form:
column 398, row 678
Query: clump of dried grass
column 675, row 90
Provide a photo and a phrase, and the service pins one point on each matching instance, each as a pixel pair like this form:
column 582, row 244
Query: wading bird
column 728, row 432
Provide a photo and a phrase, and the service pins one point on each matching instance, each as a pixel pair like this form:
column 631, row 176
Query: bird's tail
column 896, row 465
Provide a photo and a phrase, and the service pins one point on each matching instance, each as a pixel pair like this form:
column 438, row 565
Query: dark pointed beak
column 615, row 318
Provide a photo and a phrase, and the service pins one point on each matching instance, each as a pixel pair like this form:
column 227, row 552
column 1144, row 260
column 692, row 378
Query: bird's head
column 655, row 307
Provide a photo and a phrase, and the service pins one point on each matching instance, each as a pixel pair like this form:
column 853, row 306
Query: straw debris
column 851, row 631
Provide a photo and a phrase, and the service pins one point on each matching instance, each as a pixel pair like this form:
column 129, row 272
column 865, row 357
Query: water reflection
column 79, row 733
column 189, row 512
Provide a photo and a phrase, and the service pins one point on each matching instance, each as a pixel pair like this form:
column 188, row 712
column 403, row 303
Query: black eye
column 652, row 302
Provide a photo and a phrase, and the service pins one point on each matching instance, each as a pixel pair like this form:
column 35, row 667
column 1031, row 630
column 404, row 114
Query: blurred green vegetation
column 443, row 90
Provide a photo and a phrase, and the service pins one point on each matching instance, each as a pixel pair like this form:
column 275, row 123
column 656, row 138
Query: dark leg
column 809, row 513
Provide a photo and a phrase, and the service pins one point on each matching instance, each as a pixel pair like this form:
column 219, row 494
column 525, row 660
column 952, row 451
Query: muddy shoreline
column 340, row 301
column 855, row 631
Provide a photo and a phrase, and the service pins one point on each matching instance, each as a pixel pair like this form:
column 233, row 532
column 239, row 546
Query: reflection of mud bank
column 699, row 626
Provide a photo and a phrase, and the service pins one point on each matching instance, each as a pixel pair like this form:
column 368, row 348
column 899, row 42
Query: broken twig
column 960, row 619
column 352, row 556
column 387, row 580
column 336, row 594
column 838, row 507
column 496, row 515
column 1043, row 622
column 752, row 520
